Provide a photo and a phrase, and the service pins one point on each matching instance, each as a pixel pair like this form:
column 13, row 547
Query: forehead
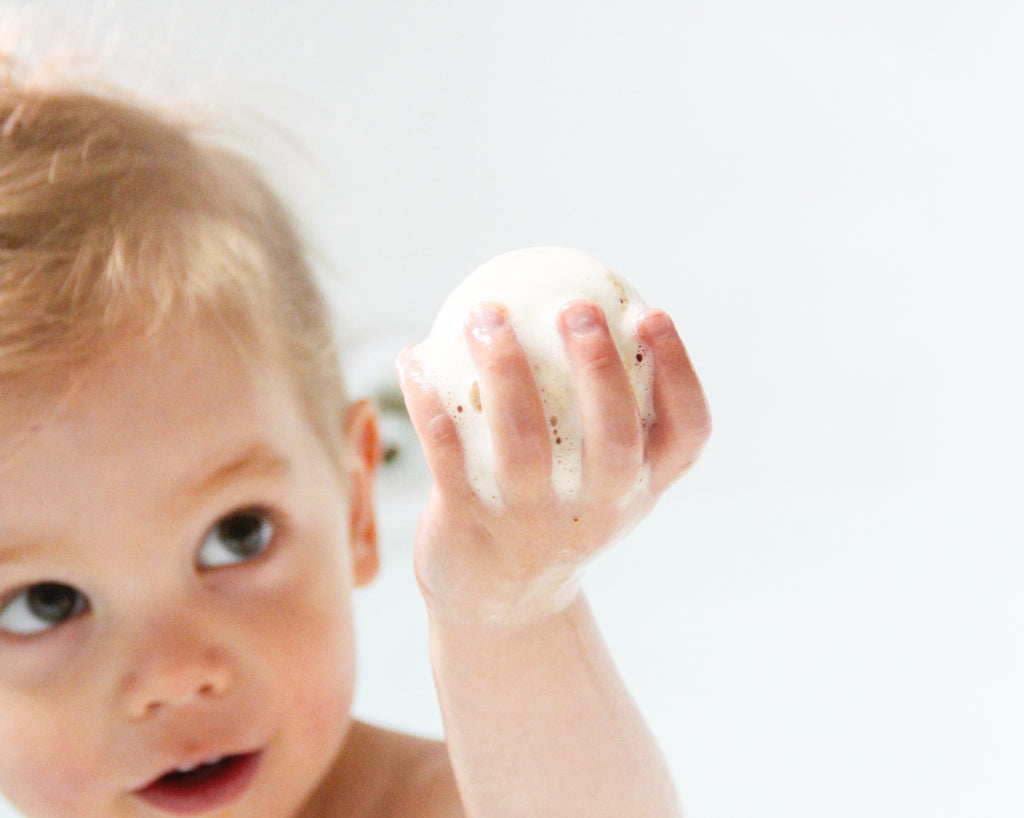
column 175, row 384
column 142, row 424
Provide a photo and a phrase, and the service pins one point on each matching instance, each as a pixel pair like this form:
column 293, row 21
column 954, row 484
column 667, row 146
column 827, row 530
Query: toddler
column 186, row 505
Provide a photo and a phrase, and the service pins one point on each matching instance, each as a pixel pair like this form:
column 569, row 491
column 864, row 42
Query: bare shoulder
column 385, row 774
column 421, row 783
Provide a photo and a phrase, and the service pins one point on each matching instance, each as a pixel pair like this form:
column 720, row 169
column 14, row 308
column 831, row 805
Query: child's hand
column 517, row 564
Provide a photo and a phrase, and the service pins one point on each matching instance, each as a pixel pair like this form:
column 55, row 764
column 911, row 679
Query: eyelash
column 270, row 530
column 32, row 600
column 268, row 534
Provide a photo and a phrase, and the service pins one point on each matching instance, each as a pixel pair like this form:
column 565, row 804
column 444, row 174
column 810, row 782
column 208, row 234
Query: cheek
column 316, row 690
column 314, row 644
column 322, row 680
column 46, row 769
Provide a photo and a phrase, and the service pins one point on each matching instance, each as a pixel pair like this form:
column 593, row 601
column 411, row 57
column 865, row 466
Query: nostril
column 168, row 682
column 208, row 690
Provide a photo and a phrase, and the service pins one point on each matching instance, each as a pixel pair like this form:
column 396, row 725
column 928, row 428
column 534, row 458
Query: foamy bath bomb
column 533, row 285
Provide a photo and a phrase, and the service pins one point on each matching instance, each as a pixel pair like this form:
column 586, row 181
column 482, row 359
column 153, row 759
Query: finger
column 434, row 426
column 510, row 402
column 613, row 448
column 682, row 421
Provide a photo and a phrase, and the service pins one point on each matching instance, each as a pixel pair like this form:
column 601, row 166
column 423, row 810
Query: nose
column 175, row 669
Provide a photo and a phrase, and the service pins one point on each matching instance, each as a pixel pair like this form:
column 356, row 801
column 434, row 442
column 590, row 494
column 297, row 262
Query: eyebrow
column 12, row 553
column 258, row 461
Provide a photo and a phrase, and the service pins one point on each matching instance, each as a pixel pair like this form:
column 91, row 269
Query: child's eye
column 238, row 537
column 41, row 607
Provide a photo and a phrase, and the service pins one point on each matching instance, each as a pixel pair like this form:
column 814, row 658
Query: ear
column 362, row 442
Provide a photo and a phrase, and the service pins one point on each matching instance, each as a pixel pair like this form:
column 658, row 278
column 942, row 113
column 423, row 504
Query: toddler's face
column 176, row 556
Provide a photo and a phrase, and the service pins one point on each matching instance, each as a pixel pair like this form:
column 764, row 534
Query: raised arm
column 537, row 719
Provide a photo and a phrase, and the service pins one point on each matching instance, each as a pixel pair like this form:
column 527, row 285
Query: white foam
column 533, row 284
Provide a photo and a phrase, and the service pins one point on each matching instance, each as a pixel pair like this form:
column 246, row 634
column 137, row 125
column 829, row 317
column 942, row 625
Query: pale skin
column 180, row 651
column 537, row 719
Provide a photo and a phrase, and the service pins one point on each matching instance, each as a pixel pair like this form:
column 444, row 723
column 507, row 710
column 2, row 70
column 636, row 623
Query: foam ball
column 532, row 284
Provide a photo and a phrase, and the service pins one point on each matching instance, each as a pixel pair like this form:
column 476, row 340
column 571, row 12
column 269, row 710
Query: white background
column 825, row 617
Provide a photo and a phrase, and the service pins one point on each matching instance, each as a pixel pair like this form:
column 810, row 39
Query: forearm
column 539, row 723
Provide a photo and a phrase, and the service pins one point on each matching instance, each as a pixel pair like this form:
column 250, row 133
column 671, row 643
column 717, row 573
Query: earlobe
column 362, row 441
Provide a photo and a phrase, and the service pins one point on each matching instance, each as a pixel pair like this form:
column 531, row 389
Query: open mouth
column 203, row 787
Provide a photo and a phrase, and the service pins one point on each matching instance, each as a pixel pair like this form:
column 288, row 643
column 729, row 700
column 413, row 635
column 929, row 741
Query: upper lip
column 189, row 766
column 190, row 761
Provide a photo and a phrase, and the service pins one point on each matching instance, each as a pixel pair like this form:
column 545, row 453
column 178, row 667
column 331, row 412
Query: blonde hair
column 116, row 222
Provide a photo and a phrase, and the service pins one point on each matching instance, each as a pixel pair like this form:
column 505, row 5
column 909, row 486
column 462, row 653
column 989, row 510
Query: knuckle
column 701, row 423
column 623, row 452
column 703, row 429
column 525, row 460
column 441, row 431
column 503, row 361
column 619, row 458
column 603, row 361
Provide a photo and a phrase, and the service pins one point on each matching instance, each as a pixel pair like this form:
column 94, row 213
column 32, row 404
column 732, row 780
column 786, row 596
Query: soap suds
column 532, row 284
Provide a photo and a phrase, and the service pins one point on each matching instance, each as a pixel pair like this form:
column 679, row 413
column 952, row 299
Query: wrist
column 502, row 616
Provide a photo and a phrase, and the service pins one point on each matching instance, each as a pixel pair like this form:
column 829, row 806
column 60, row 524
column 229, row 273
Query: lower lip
column 207, row 792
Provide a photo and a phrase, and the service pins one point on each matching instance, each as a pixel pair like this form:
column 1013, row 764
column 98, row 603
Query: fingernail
column 408, row 367
column 581, row 317
column 486, row 318
column 406, row 351
column 658, row 324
